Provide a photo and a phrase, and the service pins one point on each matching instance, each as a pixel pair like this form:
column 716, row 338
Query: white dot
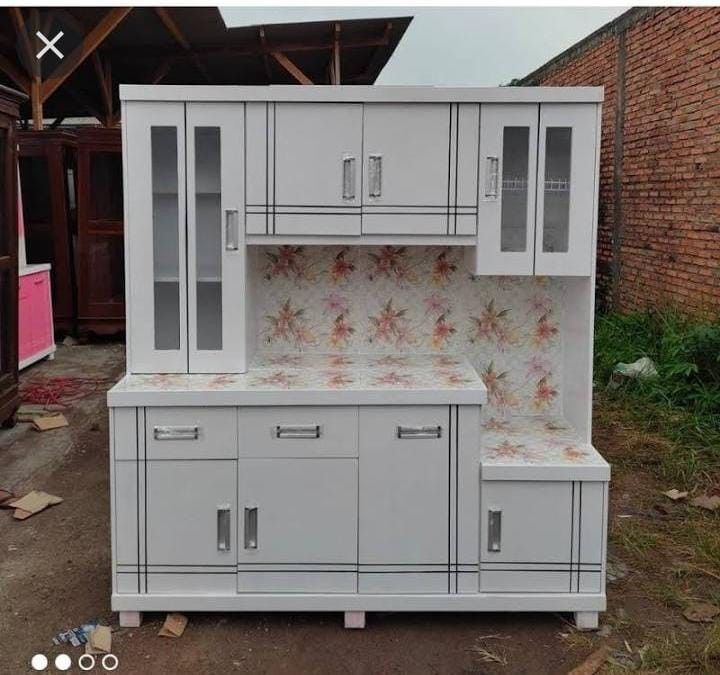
column 39, row 662
column 63, row 662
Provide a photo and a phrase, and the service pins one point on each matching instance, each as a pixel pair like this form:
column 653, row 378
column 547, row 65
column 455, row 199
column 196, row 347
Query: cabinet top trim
column 361, row 94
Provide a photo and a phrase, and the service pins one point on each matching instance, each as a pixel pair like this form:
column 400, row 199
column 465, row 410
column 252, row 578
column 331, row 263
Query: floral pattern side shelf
column 398, row 300
column 534, row 440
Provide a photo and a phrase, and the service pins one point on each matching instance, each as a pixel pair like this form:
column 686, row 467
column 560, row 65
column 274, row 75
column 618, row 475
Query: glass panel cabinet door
column 216, row 237
column 566, row 189
column 506, row 222
column 154, row 137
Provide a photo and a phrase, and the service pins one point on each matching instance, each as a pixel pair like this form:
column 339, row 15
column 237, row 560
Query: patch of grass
column 683, row 653
column 634, row 537
column 682, row 403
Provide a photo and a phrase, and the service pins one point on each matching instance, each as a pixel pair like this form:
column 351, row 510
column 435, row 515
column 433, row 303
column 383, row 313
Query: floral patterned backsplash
column 395, row 299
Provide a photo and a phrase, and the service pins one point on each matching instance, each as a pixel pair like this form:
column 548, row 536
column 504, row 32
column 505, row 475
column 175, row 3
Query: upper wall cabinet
column 537, row 215
column 409, row 169
column 410, row 173
column 508, row 157
column 186, row 268
column 566, row 189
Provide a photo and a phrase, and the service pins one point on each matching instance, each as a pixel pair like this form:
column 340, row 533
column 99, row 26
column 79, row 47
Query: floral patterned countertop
column 435, row 375
column 535, row 440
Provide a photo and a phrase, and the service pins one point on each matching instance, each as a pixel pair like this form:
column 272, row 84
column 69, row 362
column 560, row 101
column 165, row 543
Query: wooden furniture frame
column 100, row 280
column 9, row 397
column 50, row 239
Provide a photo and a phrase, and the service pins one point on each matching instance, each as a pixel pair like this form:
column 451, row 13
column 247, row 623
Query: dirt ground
column 55, row 574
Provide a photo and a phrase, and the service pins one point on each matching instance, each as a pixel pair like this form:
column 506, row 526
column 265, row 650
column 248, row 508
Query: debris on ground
column 49, row 422
column 707, row 502
column 69, row 341
column 675, row 494
column 616, row 569
column 701, row 612
column 99, row 641
column 174, row 625
column 642, row 369
column 27, row 412
column 32, row 503
column 592, row 663
column 76, row 636
column 5, row 498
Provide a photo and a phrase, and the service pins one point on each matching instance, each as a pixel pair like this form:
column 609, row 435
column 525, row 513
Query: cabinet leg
column 51, row 356
column 587, row 620
column 354, row 619
column 130, row 619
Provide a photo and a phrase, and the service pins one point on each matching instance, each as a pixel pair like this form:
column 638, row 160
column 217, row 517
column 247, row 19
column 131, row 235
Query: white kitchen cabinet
column 298, row 525
column 216, row 268
column 404, row 499
column 156, row 271
column 406, row 172
column 508, row 166
column 317, row 159
column 191, row 516
column 566, row 189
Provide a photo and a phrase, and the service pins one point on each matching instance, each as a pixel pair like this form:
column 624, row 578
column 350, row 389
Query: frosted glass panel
column 166, row 247
column 513, row 217
column 208, row 238
column 556, row 210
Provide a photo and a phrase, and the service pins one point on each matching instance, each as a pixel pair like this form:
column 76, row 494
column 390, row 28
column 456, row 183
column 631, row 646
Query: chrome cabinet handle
column 175, row 433
column 297, row 431
column 348, row 186
column 232, row 219
column 375, row 172
column 492, row 171
column 419, row 432
column 223, row 527
column 251, row 525
column 494, row 530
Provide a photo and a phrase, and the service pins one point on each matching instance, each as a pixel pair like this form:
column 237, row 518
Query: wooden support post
column 36, row 103
column 266, row 61
column 15, row 74
column 161, row 71
column 291, row 68
column 336, row 56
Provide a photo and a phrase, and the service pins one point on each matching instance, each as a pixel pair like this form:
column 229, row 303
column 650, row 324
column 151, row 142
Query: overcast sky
column 479, row 46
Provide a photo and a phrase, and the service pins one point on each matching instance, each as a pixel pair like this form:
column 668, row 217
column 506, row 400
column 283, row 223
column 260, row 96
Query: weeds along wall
column 417, row 299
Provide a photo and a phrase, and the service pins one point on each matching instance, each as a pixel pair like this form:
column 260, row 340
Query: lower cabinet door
column 191, row 525
column 404, row 499
column 526, row 532
column 298, row 525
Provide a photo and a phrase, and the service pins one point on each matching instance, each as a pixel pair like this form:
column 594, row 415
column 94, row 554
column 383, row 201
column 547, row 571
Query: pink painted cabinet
column 36, row 338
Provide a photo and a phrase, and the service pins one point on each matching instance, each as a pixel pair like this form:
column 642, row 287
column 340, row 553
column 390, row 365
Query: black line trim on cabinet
column 449, row 161
column 267, row 163
column 137, row 492
column 449, row 512
column 580, row 485
column 274, row 107
column 572, row 529
column 457, row 148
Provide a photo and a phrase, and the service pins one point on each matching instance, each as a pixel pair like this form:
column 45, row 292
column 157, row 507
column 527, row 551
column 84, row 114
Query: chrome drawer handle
column 232, row 219
column 348, row 191
column 375, row 172
column 492, row 175
column 172, row 433
column 419, row 432
column 223, row 527
column 297, row 431
column 494, row 531
column 251, row 527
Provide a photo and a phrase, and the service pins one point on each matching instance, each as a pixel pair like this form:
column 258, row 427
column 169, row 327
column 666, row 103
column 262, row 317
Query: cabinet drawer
column 191, row 433
column 294, row 431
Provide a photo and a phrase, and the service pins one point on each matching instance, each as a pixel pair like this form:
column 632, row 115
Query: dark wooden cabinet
column 100, row 252
column 9, row 398
column 48, row 181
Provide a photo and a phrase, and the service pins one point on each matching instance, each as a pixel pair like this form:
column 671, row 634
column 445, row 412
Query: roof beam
column 89, row 44
column 291, row 68
column 161, row 71
column 266, row 60
column 180, row 38
column 18, row 21
column 335, row 77
column 102, row 70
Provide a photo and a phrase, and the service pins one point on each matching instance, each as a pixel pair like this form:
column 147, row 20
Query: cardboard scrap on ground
column 27, row 412
column 32, row 503
column 592, row 663
column 99, row 641
column 706, row 502
column 701, row 612
column 174, row 625
column 675, row 494
column 48, row 422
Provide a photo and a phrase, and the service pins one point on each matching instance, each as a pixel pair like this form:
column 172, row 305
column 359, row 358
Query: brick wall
column 659, row 220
